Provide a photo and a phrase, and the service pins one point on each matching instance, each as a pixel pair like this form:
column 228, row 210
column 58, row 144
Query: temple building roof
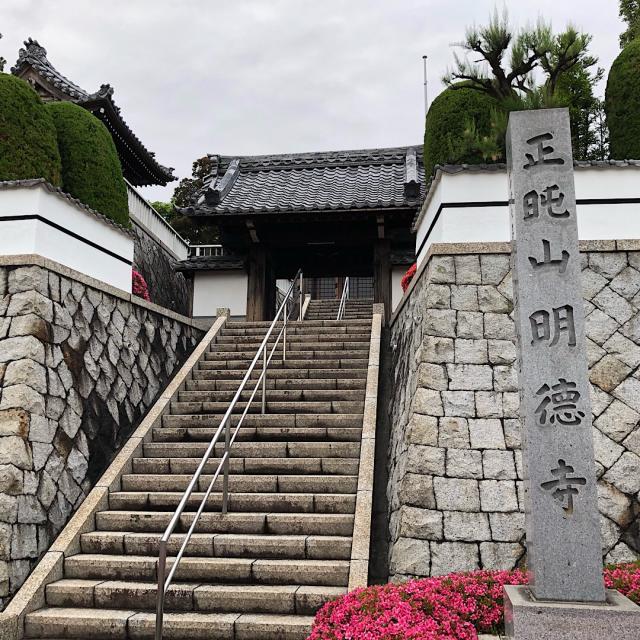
column 139, row 165
column 368, row 179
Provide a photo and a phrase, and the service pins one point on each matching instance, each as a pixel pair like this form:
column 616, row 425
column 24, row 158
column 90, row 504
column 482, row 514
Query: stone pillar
column 561, row 511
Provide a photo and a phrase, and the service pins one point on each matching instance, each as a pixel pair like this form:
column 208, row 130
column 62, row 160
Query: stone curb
column 466, row 248
column 36, row 260
column 359, row 567
column 31, row 596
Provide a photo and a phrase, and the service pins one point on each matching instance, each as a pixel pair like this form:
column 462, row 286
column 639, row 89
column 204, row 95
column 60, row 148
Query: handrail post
column 284, row 334
column 161, row 569
column 264, row 380
column 301, row 296
column 164, row 577
column 225, row 477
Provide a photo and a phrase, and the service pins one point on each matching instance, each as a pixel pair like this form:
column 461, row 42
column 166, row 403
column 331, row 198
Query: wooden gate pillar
column 382, row 274
column 257, row 283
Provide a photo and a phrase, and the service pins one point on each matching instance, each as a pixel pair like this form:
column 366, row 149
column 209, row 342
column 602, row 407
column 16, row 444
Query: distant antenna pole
column 426, row 93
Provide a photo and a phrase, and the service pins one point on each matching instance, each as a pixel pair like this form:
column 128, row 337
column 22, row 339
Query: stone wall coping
column 32, row 259
column 30, row 596
column 478, row 248
column 359, row 566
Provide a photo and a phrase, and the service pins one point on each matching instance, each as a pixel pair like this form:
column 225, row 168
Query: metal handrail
column 343, row 300
column 223, row 465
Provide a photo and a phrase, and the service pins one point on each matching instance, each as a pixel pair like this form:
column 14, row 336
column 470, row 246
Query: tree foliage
column 185, row 193
column 195, row 231
column 533, row 49
column 2, row 60
column 28, row 144
column 630, row 13
column 165, row 209
column 91, row 168
column 575, row 91
column 622, row 103
column 529, row 69
column 455, row 119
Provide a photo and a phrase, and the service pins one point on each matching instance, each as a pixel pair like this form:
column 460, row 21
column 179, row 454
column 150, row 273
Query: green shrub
column 455, row 117
column 28, row 146
column 91, row 168
column 622, row 103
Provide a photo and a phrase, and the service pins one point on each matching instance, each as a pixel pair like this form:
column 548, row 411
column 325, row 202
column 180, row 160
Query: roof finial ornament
column 33, row 48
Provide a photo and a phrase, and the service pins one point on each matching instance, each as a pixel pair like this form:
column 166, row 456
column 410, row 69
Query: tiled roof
column 34, row 55
column 329, row 181
column 41, row 182
column 211, row 263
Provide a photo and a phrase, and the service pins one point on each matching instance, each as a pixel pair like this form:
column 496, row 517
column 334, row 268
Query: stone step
column 260, row 434
column 328, row 307
column 337, row 406
column 282, row 384
column 264, row 325
column 329, row 341
column 209, row 598
column 275, row 502
column 360, row 313
column 250, row 466
column 255, row 449
column 274, row 395
column 334, row 573
column 247, row 484
column 348, row 333
column 324, row 524
column 294, row 344
column 285, row 365
column 126, row 624
column 207, row 372
column 292, row 354
column 320, row 316
column 327, row 420
column 309, row 547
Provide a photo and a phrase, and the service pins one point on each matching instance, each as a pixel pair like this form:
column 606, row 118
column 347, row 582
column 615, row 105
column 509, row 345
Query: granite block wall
column 455, row 491
column 80, row 364
column 166, row 287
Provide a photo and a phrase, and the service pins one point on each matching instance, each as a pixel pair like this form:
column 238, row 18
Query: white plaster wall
column 148, row 218
column 396, row 290
column 215, row 289
column 37, row 237
column 491, row 223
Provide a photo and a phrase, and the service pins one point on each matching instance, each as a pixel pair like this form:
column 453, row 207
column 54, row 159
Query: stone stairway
column 261, row 571
column 356, row 309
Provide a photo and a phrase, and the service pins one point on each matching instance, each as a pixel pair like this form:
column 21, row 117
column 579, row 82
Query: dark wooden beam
column 382, row 274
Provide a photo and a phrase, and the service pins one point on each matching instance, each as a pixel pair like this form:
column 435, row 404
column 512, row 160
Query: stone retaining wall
column 80, row 363
column 455, row 490
column 166, row 287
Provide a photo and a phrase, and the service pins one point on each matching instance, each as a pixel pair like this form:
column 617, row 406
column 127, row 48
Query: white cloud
column 268, row 76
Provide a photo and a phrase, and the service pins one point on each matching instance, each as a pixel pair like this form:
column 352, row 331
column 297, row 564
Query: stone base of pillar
column 529, row 619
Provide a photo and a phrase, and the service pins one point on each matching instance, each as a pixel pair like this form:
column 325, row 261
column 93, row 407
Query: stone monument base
column 529, row 619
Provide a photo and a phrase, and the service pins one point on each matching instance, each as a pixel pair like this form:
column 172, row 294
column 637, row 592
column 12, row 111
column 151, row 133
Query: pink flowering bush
column 452, row 607
column 625, row 578
column 139, row 286
column 408, row 277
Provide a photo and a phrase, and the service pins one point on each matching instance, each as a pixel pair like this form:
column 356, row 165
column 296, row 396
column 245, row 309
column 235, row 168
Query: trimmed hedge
column 448, row 117
column 622, row 103
column 28, row 145
column 91, row 168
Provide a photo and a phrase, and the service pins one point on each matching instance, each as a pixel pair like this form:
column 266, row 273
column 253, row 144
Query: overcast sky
column 270, row 76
